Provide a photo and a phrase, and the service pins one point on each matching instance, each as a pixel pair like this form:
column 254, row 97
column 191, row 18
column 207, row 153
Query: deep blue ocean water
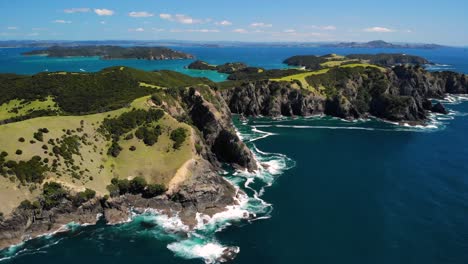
column 334, row 191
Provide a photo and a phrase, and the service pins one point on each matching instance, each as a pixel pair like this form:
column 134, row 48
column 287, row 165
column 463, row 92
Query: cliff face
column 400, row 94
column 211, row 115
column 203, row 191
column 272, row 99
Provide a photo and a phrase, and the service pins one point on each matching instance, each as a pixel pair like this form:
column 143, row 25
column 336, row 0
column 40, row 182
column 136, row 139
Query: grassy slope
column 157, row 163
column 7, row 110
column 333, row 61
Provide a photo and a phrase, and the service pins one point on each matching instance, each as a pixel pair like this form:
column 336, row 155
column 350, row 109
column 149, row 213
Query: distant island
column 112, row 52
column 213, row 44
column 312, row 62
column 380, row 44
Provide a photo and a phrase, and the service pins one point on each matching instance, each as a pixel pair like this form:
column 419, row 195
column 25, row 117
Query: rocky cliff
column 203, row 191
column 398, row 94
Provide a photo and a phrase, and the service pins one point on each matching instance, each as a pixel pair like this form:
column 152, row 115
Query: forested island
column 112, row 52
column 76, row 145
column 380, row 44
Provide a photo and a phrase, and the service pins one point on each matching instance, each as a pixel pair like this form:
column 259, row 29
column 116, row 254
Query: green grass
column 15, row 108
column 365, row 65
column 157, row 164
column 301, row 77
column 150, row 85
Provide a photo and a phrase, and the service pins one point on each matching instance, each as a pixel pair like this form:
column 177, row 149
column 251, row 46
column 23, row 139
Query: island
column 380, row 44
column 111, row 52
column 80, row 147
column 228, row 68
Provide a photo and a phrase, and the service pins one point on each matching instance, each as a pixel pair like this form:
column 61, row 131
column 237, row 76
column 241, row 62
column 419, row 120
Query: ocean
column 334, row 191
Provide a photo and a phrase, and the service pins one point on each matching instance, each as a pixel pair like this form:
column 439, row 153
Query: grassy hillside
column 85, row 93
column 74, row 151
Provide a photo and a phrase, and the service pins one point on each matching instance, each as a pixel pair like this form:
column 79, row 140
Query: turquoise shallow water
column 334, row 192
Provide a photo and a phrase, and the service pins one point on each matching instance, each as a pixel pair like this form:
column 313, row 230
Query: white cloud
column 195, row 30
column 140, row 14
column 165, row 16
column 183, row 19
column 240, row 30
column 104, row 12
column 77, row 10
column 158, row 29
column 289, row 31
column 34, row 34
column 261, row 25
column 326, row 27
column 379, row 30
column 136, row 29
column 12, row 28
column 61, row 21
column 39, row 29
column 204, row 30
column 103, row 22
column 224, row 23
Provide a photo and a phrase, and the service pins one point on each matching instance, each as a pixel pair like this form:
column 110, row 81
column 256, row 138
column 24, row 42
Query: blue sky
column 443, row 22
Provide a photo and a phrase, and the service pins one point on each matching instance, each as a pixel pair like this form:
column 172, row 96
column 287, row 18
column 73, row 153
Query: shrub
column 153, row 190
column 178, row 136
column 137, row 185
column 132, row 148
column 113, row 190
column 53, row 193
column 19, row 152
column 124, row 186
column 114, row 149
column 21, row 139
column 83, row 197
column 39, row 136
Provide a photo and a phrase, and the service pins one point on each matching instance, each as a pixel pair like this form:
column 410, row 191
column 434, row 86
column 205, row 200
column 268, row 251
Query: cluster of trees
column 114, row 128
column 311, row 62
column 85, row 93
column 178, row 136
column 39, row 135
column 53, row 194
column 30, row 171
column 253, row 73
column 148, row 134
column 138, row 185
column 68, row 146
column 387, row 59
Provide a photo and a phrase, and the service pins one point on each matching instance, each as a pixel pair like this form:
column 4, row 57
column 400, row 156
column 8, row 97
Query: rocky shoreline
column 206, row 192
column 402, row 94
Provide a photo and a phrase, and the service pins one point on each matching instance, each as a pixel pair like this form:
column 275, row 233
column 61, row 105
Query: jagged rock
column 400, row 94
column 439, row 108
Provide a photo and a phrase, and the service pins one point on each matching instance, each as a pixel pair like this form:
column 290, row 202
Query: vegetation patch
column 178, row 136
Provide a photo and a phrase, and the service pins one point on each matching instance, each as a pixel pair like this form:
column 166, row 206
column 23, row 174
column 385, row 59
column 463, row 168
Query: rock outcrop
column 205, row 191
column 400, row 94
